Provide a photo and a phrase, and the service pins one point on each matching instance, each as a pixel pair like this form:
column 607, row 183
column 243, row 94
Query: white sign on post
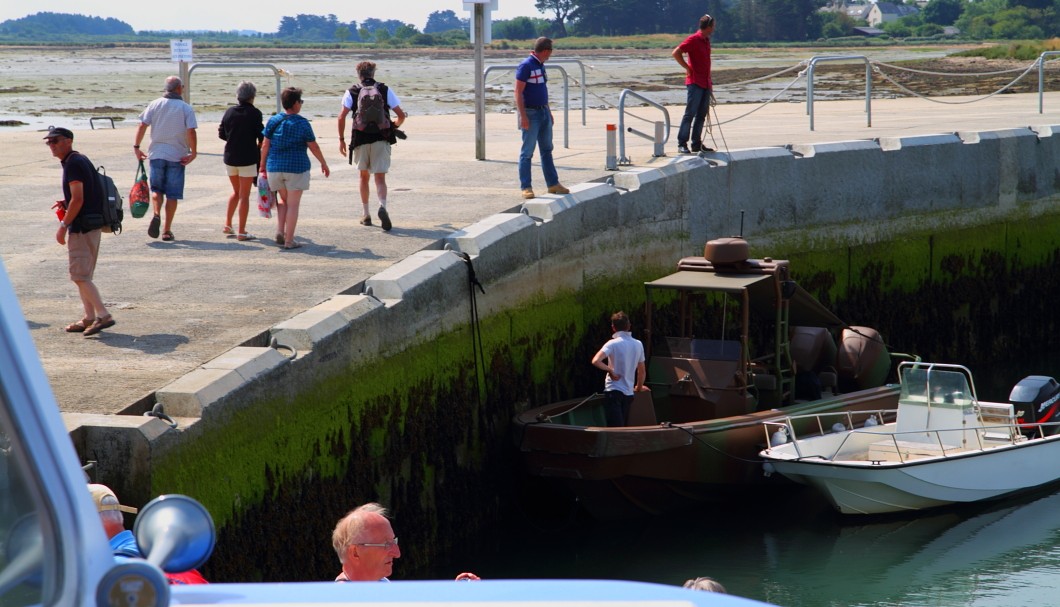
column 180, row 50
column 490, row 5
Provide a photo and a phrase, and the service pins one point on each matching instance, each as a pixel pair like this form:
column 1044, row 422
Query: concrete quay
column 182, row 307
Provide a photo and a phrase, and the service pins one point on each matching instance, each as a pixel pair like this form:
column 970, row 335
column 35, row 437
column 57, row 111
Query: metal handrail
column 275, row 71
column 1041, row 77
column 622, row 158
column 566, row 99
column 585, row 98
column 868, row 82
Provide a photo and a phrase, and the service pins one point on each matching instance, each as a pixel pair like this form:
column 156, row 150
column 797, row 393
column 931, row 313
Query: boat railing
column 871, row 443
column 787, row 429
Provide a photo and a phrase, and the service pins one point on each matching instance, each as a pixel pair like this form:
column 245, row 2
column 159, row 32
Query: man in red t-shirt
column 697, row 82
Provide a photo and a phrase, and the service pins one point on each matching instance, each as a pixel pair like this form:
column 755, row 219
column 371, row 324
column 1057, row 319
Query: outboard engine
column 1036, row 399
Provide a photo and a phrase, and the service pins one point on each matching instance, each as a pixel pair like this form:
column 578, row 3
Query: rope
column 729, row 455
column 477, row 352
column 767, row 102
column 929, row 73
column 926, row 98
column 773, row 75
column 548, row 418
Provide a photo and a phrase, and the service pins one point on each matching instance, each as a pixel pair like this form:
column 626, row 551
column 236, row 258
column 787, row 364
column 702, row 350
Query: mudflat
column 180, row 304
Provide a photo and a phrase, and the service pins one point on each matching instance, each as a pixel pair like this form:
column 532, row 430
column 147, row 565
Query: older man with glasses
column 80, row 219
column 366, row 546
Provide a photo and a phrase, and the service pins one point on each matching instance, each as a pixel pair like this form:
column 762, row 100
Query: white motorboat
column 941, row 446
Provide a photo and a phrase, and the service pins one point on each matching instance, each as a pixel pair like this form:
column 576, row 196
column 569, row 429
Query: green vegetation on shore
column 314, row 32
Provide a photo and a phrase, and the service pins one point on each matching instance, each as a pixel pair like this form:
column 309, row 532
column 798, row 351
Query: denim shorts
column 167, row 178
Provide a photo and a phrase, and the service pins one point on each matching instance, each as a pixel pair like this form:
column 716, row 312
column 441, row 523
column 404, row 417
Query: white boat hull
column 866, row 487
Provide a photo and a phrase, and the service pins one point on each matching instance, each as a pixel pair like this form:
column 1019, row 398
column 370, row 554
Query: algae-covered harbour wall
column 944, row 243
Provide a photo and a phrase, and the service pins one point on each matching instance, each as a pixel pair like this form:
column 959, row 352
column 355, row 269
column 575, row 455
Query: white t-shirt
column 624, row 353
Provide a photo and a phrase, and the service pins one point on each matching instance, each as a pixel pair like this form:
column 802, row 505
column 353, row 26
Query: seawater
column 793, row 550
column 790, row 548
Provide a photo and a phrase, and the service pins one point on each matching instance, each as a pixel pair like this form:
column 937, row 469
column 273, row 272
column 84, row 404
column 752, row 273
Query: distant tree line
column 795, row 20
column 43, row 26
column 738, row 21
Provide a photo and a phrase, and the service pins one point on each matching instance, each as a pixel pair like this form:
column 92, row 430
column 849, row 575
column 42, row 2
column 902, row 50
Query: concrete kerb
column 765, row 176
column 192, row 394
column 988, row 181
column 915, row 158
column 423, row 294
column 845, row 177
column 1049, row 141
column 319, row 323
column 498, row 245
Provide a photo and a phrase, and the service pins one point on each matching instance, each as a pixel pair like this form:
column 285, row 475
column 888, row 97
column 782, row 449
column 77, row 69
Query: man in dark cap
column 80, row 221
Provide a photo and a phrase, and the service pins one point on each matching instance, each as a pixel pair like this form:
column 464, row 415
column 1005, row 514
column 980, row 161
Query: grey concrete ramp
column 181, row 305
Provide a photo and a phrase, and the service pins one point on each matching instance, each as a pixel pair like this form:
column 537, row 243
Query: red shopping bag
column 140, row 194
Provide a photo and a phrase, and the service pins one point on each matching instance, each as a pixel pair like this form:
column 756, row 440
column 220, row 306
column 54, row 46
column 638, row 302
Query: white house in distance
column 882, row 12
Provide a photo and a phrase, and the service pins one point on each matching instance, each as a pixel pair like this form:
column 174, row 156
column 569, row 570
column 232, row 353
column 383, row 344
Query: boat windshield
column 928, row 384
column 22, row 557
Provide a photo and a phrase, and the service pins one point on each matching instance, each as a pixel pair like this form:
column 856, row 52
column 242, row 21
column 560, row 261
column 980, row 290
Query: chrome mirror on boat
column 175, row 532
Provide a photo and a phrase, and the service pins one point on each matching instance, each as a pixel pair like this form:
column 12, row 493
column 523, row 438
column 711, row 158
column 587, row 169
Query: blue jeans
column 698, row 103
column 539, row 134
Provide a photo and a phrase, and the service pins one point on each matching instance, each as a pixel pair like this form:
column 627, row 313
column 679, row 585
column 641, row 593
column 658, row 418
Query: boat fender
column 838, row 427
column 768, row 469
column 779, row 437
column 871, row 422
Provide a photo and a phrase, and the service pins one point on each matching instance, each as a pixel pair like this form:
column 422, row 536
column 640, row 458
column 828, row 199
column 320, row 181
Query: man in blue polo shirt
column 535, row 118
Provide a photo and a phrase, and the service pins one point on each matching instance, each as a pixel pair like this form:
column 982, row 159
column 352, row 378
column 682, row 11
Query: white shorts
column 250, row 170
column 288, row 181
column 372, row 157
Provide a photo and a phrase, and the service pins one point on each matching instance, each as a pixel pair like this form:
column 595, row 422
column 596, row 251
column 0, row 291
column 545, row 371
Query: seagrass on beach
column 182, row 304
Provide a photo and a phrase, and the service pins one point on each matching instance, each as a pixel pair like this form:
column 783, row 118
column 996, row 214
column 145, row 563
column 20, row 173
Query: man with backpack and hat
column 80, row 222
column 372, row 135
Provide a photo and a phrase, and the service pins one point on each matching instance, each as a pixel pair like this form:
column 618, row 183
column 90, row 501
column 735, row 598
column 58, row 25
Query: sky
column 249, row 15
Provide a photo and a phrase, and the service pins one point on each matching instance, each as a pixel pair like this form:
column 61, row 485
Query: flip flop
column 279, row 238
column 245, row 236
column 152, row 229
column 227, row 230
column 293, row 245
column 167, row 236
column 79, row 326
column 103, row 322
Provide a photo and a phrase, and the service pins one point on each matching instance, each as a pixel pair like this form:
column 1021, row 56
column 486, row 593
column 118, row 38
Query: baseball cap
column 58, row 131
column 101, row 492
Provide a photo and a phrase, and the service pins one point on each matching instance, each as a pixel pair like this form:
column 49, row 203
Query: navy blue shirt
column 532, row 72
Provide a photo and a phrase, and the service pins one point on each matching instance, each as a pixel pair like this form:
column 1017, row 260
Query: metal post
column 659, row 141
column 611, row 164
column 185, row 75
column 480, row 83
column 1041, row 78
